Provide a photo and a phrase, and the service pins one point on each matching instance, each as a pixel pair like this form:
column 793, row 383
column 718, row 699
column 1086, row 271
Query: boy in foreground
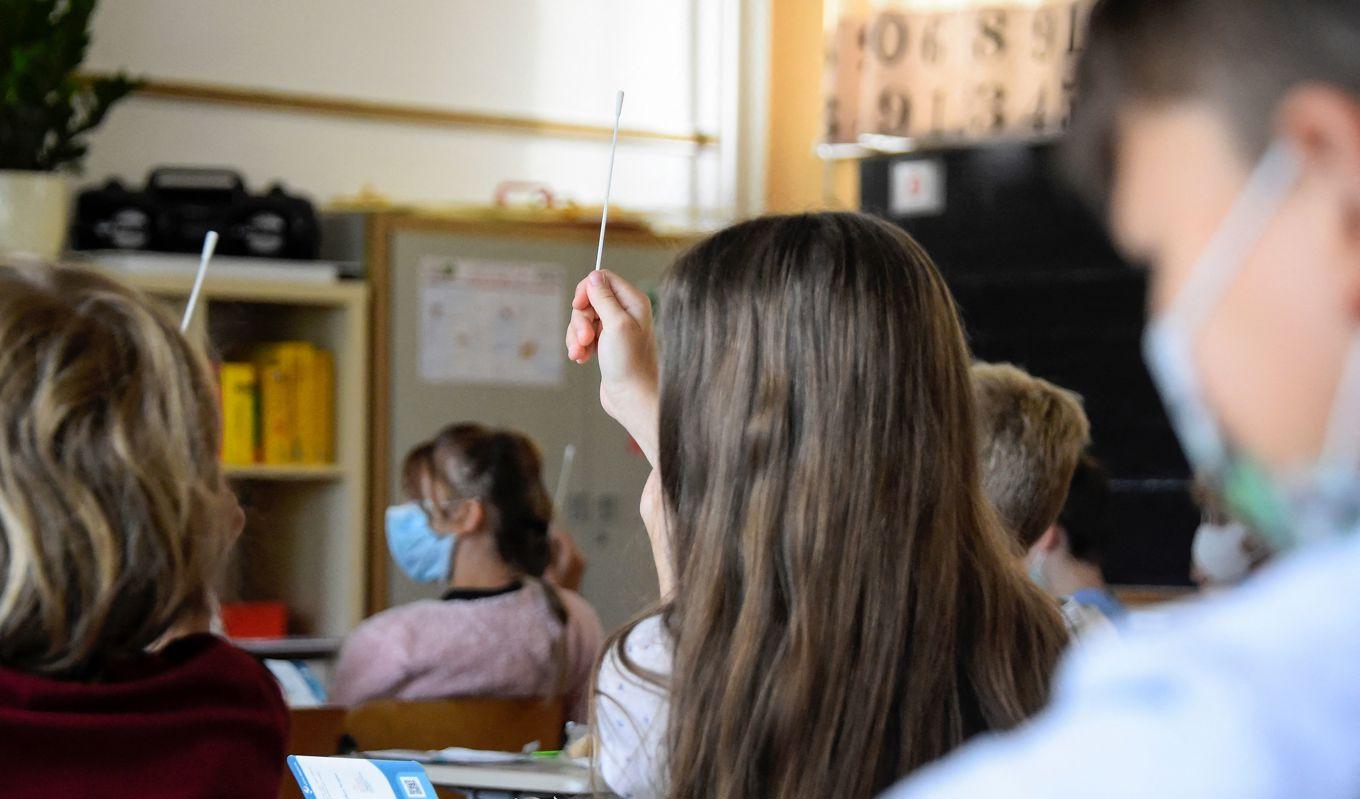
column 1224, row 138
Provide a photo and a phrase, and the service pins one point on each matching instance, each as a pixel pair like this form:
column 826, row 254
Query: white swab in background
column 209, row 244
column 609, row 182
column 563, row 478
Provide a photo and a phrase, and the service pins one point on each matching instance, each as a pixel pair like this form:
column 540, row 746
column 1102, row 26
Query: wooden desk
column 538, row 778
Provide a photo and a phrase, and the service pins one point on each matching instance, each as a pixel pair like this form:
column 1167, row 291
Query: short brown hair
column 113, row 508
column 1239, row 56
column 1030, row 435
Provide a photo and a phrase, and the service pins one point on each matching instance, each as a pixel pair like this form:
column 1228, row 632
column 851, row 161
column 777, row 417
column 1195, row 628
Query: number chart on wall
column 491, row 322
column 951, row 71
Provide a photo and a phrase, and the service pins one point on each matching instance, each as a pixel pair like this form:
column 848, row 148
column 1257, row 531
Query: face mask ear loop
column 1226, row 253
column 1037, row 575
column 1341, row 447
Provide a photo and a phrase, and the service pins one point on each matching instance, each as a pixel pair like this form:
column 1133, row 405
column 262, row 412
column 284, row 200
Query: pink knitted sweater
column 493, row 646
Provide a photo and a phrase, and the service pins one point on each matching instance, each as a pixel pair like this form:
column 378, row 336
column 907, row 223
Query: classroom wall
column 529, row 58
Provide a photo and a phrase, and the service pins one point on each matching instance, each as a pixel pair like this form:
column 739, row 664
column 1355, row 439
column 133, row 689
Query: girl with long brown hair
column 838, row 604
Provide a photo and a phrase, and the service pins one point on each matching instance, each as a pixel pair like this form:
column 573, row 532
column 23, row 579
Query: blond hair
column 112, row 502
column 1030, row 435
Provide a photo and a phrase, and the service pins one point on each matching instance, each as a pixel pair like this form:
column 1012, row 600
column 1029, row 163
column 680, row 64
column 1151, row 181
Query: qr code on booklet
column 412, row 789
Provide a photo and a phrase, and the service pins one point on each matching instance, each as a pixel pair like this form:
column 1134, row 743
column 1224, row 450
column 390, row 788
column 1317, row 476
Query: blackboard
column 1038, row 285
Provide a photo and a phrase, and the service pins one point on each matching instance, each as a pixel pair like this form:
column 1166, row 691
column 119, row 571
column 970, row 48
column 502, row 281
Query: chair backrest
column 312, row 731
column 316, row 730
column 473, row 722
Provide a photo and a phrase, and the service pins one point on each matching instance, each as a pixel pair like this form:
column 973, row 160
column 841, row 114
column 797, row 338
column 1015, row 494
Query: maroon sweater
column 200, row 719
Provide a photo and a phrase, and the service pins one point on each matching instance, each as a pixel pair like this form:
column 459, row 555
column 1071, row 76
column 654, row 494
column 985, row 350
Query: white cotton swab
column 609, row 182
column 563, row 478
column 209, row 244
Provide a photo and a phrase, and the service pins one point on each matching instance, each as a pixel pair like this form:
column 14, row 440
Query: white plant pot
column 35, row 211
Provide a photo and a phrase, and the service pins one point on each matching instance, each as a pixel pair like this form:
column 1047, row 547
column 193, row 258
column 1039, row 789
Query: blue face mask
column 1315, row 501
column 423, row 554
column 1036, row 572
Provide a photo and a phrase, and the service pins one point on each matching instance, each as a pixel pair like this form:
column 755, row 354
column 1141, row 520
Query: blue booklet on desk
column 355, row 778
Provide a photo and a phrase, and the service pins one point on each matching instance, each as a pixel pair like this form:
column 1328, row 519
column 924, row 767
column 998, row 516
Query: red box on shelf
column 255, row 619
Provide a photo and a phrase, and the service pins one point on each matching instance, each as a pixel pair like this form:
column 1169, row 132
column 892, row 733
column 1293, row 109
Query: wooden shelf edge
column 265, row 292
column 294, row 473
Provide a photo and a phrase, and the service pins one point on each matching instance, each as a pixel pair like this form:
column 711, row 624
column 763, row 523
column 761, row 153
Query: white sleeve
column 631, row 715
column 1251, row 696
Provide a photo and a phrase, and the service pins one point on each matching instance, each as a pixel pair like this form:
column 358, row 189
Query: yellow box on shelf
column 237, row 384
column 278, row 376
column 315, row 406
column 297, row 404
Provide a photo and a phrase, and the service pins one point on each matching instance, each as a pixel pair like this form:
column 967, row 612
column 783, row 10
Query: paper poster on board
column 491, row 322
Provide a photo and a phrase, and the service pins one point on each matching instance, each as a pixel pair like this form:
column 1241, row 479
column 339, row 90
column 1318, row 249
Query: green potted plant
column 46, row 110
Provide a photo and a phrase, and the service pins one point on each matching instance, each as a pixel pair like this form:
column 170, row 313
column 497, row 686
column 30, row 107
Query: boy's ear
column 1323, row 123
column 1052, row 539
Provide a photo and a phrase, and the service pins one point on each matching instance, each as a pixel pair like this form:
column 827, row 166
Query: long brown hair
column 846, row 608
column 112, row 505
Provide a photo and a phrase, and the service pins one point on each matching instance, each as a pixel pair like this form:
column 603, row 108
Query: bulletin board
column 529, row 272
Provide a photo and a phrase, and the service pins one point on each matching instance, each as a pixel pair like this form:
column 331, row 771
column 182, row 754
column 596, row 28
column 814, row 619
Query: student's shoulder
column 632, row 710
column 1286, row 612
column 220, row 670
column 399, row 623
column 647, row 646
column 405, row 614
column 211, row 653
column 1267, row 649
column 1248, row 693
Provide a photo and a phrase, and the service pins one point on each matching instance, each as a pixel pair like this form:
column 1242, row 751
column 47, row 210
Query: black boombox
column 180, row 205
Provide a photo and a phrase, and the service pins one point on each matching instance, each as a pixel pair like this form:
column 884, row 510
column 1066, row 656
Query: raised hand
column 611, row 321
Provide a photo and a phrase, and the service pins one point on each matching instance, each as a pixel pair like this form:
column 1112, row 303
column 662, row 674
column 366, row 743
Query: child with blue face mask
column 501, row 628
column 1223, row 138
column 424, row 555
